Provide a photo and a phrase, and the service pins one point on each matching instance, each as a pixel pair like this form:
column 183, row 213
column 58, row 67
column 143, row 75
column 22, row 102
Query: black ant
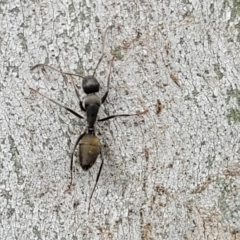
column 89, row 144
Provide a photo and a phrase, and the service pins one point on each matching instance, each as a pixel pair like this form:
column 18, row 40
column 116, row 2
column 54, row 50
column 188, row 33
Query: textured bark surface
column 173, row 173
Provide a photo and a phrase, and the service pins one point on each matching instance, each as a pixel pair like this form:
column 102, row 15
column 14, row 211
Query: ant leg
column 71, row 165
column 122, row 115
column 82, row 107
column 59, row 104
column 113, row 116
column 75, row 88
column 99, row 61
column 98, row 175
column 77, row 93
column 108, row 82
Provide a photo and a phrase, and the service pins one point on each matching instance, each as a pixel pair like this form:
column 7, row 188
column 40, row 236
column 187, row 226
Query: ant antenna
column 63, row 73
column 104, row 37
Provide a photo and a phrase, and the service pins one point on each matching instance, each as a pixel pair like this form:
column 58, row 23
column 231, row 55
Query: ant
column 88, row 142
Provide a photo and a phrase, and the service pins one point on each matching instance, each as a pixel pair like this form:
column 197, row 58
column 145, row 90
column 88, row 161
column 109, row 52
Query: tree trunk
column 171, row 173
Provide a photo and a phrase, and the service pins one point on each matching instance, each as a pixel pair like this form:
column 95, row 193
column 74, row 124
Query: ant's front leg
column 108, row 83
column 81, row 106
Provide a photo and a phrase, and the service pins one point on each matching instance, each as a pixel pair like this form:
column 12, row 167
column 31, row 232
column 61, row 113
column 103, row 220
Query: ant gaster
column 89, row 144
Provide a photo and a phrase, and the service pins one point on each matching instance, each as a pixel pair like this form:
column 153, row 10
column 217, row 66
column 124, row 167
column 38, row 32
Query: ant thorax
column 92, row 99
column 92, row 104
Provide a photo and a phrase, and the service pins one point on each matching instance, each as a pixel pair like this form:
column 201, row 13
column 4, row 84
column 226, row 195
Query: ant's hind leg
column 71, row 165
column 99, row 173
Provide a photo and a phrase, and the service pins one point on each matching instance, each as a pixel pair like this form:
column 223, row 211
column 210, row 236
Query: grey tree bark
column 173, row 173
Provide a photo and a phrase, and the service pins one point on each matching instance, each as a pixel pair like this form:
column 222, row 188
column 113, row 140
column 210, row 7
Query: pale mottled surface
column 172, row 175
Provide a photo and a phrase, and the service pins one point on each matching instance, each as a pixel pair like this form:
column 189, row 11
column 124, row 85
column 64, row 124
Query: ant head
column 90, row 84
